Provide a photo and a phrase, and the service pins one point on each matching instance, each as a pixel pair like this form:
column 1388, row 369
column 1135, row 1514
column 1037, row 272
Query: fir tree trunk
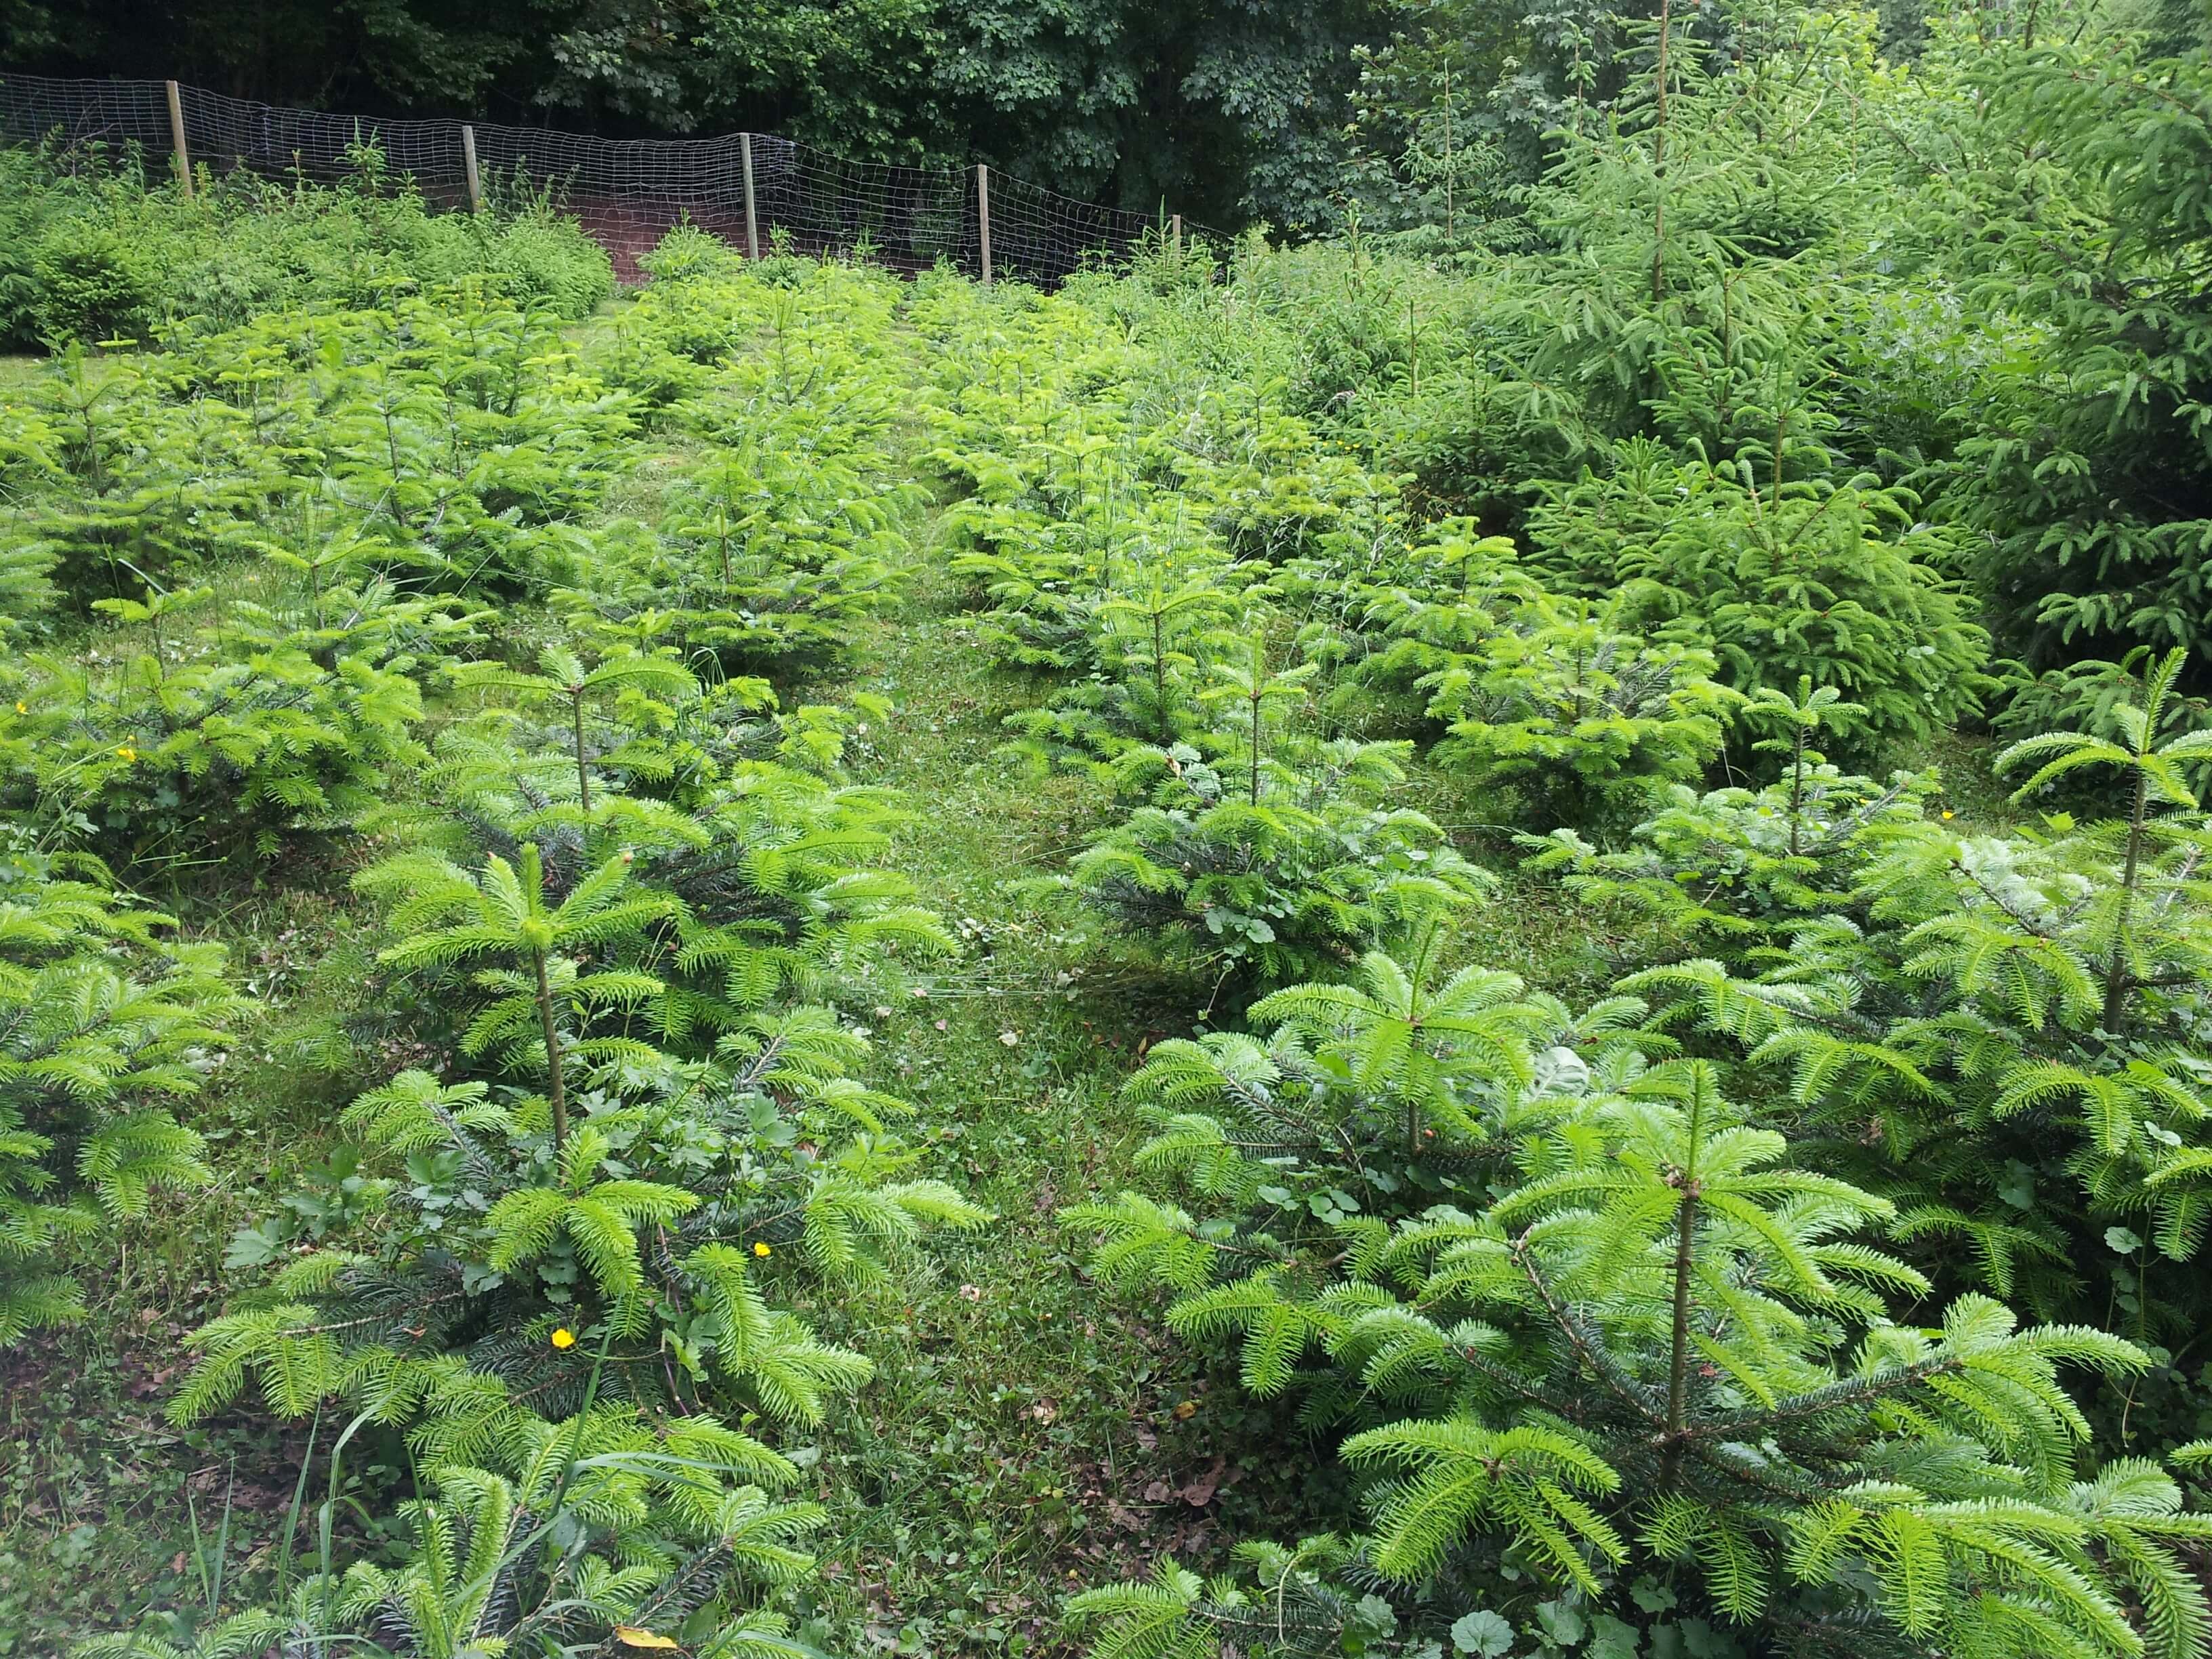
column 1796, row 793
column 391, row 448
column 1659, row 159
column 2116, row 976
column 583, row 775
column 1781, row 438
column 556, row 1094
column 1256, row 743
column 1160, row 675
column 1686, row 1236
column 1678, row 1368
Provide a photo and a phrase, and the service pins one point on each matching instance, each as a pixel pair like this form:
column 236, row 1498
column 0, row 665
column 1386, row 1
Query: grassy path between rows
column 1024, row 1435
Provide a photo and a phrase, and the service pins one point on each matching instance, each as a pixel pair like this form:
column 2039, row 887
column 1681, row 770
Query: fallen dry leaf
column 1200, row 1492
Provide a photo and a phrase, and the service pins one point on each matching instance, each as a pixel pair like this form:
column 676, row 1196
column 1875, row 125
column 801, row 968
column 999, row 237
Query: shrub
column 599, row 1526
column 159, row 760
column 2082, row 472
column 103, row 1024
column 1296, row 883
column 633, row 1201
column 2002, row 1031
column 94, row 283
column 94, row 253
column 1580, row 1320
column 1813, row 579
column 1583, row 720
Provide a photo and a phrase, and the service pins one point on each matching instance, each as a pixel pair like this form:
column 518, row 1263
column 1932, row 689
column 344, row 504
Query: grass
column 96, row 1507
column 1023, row 1434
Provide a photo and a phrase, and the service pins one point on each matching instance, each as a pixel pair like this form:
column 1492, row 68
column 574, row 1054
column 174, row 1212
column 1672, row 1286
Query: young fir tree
column 103, row 1023
column 1605, row 1330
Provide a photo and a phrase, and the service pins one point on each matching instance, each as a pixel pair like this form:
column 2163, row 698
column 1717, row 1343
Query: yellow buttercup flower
column 1947, row 812
column 126, row 751
column 761, row 1248
column 564, row 1338
column 22, row 708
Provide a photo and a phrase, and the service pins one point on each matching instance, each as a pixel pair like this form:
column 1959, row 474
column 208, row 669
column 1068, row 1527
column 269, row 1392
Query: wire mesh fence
column 755, row 191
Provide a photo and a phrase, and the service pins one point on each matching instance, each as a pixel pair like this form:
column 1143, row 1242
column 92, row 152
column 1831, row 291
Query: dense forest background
column 1231, row 109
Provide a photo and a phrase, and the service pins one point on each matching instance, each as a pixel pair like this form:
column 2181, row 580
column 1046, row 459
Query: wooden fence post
column 983, row 217
column 752, row 221
column 469, row 166
column 177, row 139
column 1175, row 222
